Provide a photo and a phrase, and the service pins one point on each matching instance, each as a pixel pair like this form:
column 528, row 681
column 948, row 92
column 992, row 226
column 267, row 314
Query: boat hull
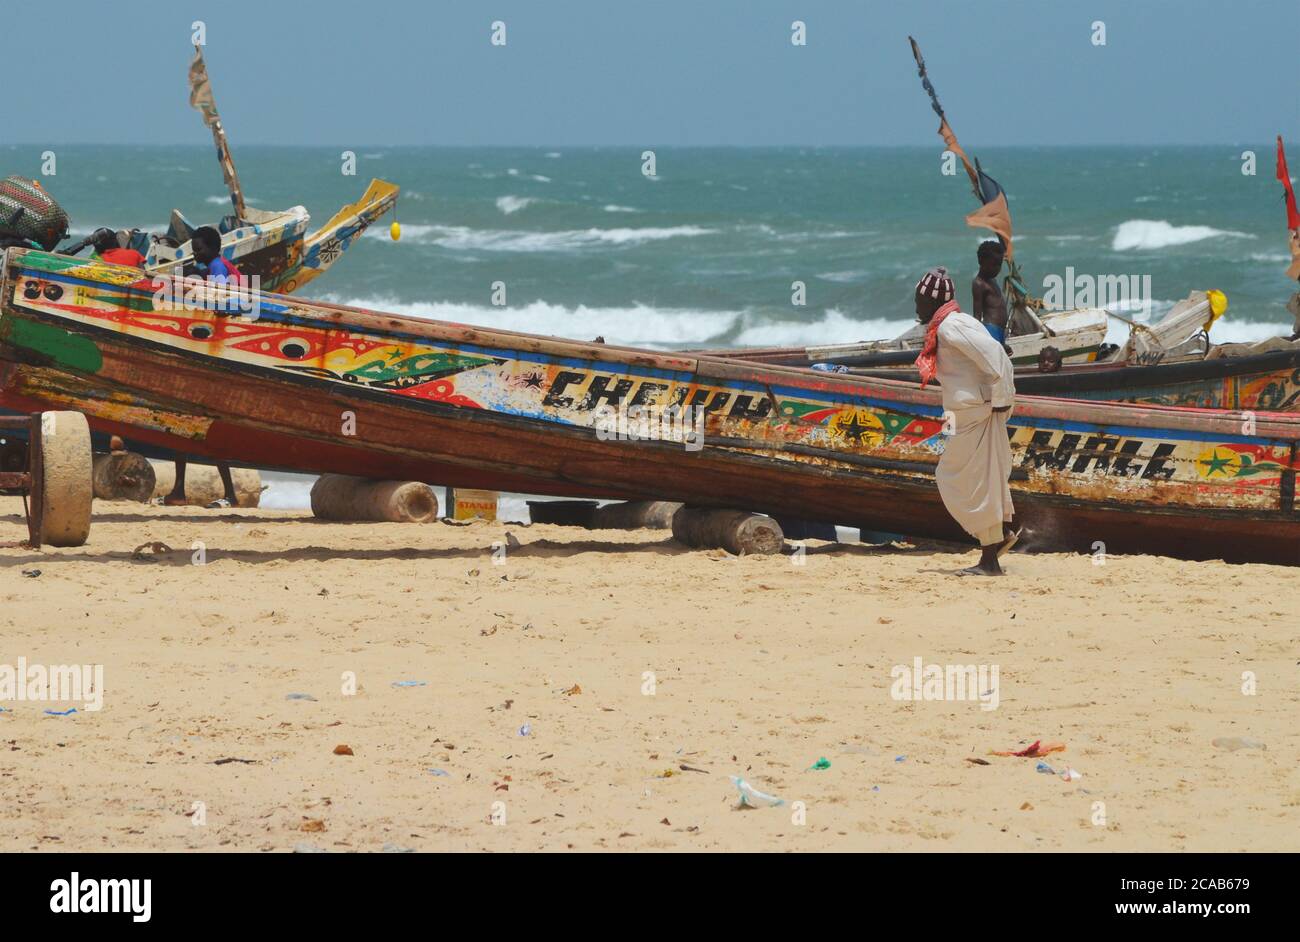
column 316, row 388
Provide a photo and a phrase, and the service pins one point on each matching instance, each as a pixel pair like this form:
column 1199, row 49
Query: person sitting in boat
column 110, row 247
column 210, row 265
column 978, row 385
column 989, row 306
column 208, row 261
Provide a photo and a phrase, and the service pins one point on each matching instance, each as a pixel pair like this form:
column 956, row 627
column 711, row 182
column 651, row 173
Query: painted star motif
column 853, row 429
column 1215, row 463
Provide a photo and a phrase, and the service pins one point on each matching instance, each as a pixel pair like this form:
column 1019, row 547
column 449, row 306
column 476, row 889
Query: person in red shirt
column 108, row 248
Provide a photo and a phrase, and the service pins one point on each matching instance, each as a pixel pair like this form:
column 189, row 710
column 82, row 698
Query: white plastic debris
column 751, row 797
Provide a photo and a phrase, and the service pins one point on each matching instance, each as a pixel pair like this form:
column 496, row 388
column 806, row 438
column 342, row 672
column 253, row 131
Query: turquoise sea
column 705, row 251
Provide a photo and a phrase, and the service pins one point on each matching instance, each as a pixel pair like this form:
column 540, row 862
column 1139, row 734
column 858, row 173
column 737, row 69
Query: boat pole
column 201, row 98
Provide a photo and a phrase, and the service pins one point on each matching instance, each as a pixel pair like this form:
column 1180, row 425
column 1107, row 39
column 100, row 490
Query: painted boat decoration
column 319, row 387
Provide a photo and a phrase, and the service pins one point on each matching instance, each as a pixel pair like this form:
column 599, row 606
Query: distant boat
column 1076, row 335
column 274, row 246
column 271, row 246
column 314, row 387
column 1170, row 369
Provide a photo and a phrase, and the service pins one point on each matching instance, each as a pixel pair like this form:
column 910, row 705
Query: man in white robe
column 979, row 390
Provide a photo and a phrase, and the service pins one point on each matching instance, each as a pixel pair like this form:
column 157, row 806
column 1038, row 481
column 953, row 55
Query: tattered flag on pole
column 201, row 99
column 201, row 90
column 994, row 214
column 1292, row 214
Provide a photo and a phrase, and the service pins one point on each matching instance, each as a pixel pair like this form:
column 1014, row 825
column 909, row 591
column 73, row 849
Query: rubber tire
column 67, row 478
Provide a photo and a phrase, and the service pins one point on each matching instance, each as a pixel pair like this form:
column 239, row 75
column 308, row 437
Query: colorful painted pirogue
column 318, row 387
column 275, row 246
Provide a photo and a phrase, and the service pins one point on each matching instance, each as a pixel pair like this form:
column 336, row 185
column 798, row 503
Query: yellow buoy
column 395, row 230
column 1218, row 304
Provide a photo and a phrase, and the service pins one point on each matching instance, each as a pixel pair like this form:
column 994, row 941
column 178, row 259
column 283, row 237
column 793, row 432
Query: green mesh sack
column 28, row 212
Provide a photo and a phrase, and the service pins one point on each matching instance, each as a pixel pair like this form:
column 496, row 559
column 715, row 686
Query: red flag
column 1292, row 214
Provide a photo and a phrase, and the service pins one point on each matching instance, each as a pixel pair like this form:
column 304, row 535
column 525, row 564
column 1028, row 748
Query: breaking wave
column 512, row 204
column 463, row 238
column 834, row 327
column 1159, row 234
column 634, row 325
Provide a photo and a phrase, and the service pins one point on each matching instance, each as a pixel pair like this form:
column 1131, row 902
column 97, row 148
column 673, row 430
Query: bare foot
column 988, row 564
column 979, row 571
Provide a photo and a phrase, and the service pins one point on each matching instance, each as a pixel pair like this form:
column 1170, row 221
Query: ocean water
column 704, row 253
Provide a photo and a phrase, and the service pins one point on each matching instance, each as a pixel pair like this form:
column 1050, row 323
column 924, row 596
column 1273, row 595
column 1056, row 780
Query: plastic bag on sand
column 751, row 797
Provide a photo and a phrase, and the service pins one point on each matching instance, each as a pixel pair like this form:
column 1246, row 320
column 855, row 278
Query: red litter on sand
column 1033, row 752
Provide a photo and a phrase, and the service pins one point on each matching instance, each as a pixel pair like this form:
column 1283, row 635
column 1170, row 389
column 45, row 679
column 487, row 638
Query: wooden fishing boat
column 274, row 247
column 1263, row 382
column 1077, row 335
column 319, row 387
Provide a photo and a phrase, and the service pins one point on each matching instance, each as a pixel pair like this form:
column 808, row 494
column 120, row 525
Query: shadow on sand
column 160, row 554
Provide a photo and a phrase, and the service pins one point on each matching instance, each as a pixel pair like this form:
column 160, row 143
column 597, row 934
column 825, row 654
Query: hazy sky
column 658, row 72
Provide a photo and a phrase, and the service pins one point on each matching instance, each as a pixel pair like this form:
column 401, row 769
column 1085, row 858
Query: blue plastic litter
column 439, row 772
column 410, row 683
column 899, row 758
column 61, row 712
column 1044, row 768
column 526, row 729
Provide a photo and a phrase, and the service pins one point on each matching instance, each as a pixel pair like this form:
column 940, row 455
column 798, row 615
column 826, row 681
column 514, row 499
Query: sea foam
column 633, row 325
column 1159, row 234
column 512, row 204
column 833, row 327
column 463, row 238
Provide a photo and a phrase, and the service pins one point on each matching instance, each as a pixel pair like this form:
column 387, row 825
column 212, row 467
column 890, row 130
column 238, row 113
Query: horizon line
column 632, row 146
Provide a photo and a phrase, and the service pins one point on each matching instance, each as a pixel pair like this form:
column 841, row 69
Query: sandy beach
column 644, row 675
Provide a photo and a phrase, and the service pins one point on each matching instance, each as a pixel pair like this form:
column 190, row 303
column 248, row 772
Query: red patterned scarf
column 928, row 361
